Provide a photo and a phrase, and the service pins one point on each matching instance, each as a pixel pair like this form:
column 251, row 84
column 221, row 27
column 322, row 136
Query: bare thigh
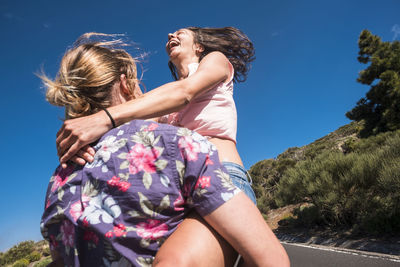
column 195, row 243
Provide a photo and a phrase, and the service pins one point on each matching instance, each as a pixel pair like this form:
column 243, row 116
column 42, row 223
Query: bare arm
column 240, row 223
column 170, row 97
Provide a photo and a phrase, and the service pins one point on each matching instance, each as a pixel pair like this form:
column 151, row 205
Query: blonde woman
column 145, row 177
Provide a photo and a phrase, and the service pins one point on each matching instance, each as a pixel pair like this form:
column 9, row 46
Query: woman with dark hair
column 145, row 178
column 205, row 63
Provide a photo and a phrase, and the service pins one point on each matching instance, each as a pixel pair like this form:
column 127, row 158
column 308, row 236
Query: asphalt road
column 317, row 256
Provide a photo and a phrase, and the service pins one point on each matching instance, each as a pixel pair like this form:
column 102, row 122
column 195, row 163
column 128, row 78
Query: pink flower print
column 113, row 181
column 76, row 210
column 190, row 148
column 109, row 234
column 203, row 182
column 85, row 222
column 123, row 186
column 78, row 207
column 47, row 204
column 61, row 177
column 208, row 160
column 119, row 230
column 90, row 236
column 142, row 158
column 151, row 127
column 178, row 203
column 151, row 229
column 67, row 230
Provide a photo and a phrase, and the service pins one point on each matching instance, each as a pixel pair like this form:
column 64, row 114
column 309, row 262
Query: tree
column 380, row 108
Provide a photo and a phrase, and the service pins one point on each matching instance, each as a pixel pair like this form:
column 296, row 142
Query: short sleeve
column 206, row 183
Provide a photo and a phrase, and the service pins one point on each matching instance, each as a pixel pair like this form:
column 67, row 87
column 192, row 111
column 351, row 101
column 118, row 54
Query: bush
column 17, row 252
column 265, row 175
column 21, row 263
column 361, row 188
column 46, row 251
column 44, row 262
column 34, row 256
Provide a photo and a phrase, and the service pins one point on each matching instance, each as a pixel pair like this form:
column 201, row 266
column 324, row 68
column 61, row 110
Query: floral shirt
column 120, row 208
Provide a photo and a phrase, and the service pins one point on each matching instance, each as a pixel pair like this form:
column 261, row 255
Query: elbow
column 185, row 95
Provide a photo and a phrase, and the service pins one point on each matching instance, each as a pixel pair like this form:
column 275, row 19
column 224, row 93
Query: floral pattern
column 119, row 209
column 142, row 158
column 67, row 231
column 151, row 229
column 189, row 147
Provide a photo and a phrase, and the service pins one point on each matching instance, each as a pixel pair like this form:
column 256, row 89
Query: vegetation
column 380, row 108
column 43, row 263
column 25, row 253
column 267, row 174
column 349, row 182
column 350, row 179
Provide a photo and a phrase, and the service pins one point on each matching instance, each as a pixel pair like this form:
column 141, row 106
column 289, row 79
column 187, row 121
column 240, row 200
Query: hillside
column 27, row 253
column 338, row 183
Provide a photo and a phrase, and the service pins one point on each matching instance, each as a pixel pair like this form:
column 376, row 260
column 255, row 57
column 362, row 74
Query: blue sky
column 301, row 84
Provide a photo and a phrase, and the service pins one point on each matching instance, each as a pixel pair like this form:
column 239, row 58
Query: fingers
column 78, row 160
column 62, row 136
column 71, row 151
column 61, row 130
column 66, row 144
column 85, row 155
column 89, row 150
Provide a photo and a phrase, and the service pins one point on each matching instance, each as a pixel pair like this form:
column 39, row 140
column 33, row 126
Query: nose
column 170, row 36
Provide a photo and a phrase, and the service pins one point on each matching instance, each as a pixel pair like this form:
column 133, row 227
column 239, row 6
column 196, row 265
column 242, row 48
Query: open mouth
column 172, row 44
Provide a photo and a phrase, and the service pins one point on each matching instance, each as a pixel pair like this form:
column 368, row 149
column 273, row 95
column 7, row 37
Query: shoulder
column 216, row 62
column 215, row 56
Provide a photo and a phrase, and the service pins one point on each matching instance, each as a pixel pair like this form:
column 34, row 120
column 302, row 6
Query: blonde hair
column 87, row 73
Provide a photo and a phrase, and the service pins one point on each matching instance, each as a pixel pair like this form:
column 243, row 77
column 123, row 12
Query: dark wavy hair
column 230, row 41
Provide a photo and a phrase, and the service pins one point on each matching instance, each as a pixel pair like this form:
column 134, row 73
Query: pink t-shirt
column 211, row 114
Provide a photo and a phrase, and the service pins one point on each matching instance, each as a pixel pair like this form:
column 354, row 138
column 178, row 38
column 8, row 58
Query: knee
column 172, row 259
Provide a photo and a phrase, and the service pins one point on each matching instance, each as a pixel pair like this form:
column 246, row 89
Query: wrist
column 111, row 119
column 102, row 121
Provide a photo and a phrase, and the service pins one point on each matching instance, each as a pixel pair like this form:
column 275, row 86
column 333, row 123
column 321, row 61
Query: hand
column 75, row 134
column 86, row 154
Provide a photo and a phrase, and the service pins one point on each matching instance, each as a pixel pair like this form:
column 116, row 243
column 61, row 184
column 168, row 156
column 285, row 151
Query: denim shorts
column 239, row 178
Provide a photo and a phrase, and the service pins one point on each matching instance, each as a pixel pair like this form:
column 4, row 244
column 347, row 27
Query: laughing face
column 181, row 44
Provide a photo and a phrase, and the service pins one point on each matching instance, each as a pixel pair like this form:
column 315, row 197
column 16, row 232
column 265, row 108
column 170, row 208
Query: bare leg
column 195, row 243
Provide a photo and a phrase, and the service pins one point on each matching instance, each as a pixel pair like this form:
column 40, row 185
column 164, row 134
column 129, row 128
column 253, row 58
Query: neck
column 182, row 67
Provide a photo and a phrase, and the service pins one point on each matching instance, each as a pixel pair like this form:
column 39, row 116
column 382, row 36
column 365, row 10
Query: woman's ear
column 199, row 49
column 123, row 85
column 128, row 93
column 137, row 92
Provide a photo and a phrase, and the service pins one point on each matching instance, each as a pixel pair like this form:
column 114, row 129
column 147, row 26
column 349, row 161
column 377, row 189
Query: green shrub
column 44, row 262
column 46, row 251
column 34, row 256
column 265, row 175
column 359, row 189
column 17, row 252
column 307, row 215
column 21, row 263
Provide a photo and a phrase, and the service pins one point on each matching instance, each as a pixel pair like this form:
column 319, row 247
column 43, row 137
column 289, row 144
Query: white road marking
column 348, row 251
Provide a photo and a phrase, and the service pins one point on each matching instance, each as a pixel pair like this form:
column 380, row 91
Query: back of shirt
column 120, row 208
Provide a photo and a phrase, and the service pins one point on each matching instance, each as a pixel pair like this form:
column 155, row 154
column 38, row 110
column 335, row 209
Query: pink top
column 211, row 114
